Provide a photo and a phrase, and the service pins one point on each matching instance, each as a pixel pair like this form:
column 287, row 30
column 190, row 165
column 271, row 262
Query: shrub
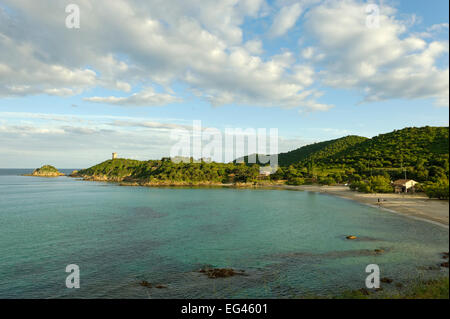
column 327, row 180
column 296, row 181
column 380, row 184
column 439, row 189
column 375, row 184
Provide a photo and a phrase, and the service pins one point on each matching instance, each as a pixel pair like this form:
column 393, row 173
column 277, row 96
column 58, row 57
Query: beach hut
column 404, row 185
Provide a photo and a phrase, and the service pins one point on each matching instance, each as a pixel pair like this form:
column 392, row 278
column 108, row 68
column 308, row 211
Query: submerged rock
column 351, row 237
column 221, row 272
column 445, row 255
column 145, row 283
column 386, row 280
column 379, row 251
column 160, row 286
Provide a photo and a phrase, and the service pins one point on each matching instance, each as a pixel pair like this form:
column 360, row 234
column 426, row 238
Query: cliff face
column 46, row 171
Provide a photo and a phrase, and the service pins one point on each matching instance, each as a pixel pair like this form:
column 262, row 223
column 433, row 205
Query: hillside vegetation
column 168, row 172
column 407, row 147
column 319, row 151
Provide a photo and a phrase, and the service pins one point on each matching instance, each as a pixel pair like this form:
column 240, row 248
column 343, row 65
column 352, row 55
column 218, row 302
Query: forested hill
column 424, row 146
column 423, row 152
column 319, row 151
column 165, row 171
column 315, row 151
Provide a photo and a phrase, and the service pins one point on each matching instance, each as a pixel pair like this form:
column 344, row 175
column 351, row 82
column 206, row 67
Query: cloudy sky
column 135, row 70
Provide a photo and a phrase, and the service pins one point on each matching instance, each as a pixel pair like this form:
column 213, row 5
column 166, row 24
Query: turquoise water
column 290, row 243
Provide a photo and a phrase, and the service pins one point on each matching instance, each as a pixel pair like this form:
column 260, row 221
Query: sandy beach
column 416, row 206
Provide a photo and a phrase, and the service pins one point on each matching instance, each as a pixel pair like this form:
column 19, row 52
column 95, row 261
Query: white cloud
column 123, row 45
column 23, row 73
column 383, row 63
column 134, row 43
column 438, row 27
column 285, row 19
column 434, row 30
column 147, row 97
column 254, row 47
column 308, row 53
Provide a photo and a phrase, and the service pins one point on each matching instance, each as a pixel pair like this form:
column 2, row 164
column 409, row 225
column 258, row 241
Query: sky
column 134, row 71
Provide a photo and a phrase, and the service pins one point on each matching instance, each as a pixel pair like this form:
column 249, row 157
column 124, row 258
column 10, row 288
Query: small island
column 46, row 171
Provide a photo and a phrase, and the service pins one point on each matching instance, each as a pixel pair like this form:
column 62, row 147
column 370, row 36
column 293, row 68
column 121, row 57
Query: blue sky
column 313, row 69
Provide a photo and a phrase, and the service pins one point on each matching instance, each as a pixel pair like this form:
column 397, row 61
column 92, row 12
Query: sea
column 285, row 244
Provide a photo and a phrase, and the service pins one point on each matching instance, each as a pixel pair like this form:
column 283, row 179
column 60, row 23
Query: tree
column 439, row 189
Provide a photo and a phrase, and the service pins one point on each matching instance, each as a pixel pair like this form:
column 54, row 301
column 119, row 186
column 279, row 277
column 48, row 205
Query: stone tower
column 114, row 155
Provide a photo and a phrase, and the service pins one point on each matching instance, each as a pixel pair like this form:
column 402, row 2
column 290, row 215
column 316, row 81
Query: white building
column 404, row 185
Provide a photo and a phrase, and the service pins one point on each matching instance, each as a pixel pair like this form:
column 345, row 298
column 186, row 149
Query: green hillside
column 118, row 168
column 417, row 153
column 166, row 171
column 407, row 147
column 319, row 151
column 425, row 146
column 316, row 151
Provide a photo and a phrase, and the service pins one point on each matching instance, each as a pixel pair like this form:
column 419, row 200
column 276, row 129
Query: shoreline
column 416, row 206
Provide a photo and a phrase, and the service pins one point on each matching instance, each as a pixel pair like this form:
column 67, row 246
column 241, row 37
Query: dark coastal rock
column 445, row 265
column 445, row 255
column 386, row 280
column 145, row 283
column 160, row 286
column 221, row 272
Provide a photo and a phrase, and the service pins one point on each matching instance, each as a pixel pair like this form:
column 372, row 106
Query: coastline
column 416, row 206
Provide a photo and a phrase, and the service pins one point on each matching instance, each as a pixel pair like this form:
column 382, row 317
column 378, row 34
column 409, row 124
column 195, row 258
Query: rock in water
column 46, row 171
column 145, row 283
column 221, row 272
column 160, row 286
